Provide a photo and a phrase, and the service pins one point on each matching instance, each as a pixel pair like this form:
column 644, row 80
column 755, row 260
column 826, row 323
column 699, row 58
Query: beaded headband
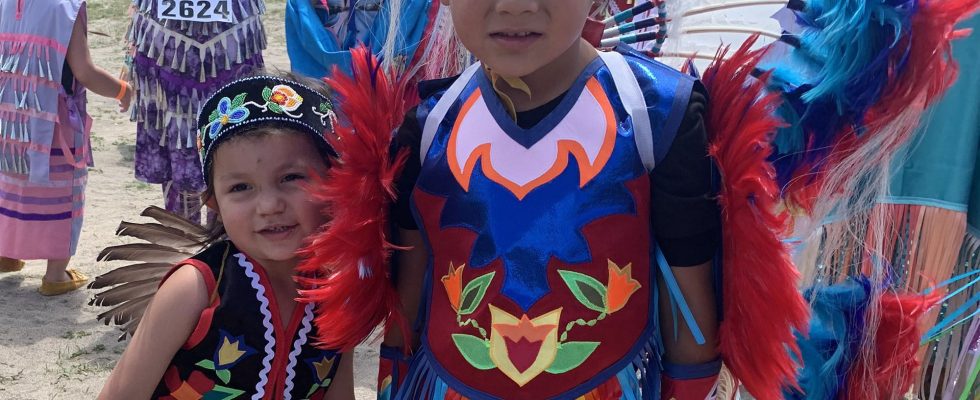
column 245, row 102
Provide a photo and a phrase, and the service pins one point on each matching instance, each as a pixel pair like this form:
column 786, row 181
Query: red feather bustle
column 762, row 304
column 346, row 262
column 890, row 370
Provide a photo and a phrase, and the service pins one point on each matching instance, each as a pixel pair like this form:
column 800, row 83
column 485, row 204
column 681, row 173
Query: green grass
column 75, row 334
column 112, row 9
column 139, row 185
column 73, row 365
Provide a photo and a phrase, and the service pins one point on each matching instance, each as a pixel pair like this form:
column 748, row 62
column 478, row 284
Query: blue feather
column 836, row 329
column 838, row 71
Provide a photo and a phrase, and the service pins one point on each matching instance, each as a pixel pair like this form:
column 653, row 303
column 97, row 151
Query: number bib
column 195, row 10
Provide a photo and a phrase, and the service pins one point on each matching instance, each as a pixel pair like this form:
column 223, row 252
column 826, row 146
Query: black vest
column 241, row 347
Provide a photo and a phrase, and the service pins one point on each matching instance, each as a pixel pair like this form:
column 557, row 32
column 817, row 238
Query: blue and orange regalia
column 542, row 276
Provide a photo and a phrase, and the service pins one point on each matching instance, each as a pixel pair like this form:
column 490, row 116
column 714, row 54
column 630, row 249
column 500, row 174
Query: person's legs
column 56, row 271
column 59, row 279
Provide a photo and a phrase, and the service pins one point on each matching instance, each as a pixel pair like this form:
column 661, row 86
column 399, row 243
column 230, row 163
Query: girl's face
column 259, row 194
column 518, row 37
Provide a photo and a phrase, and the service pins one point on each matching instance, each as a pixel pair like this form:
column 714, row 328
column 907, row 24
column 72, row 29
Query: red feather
column 930, row 68
column 894, row 366
column 762, row 305
column 348, row 259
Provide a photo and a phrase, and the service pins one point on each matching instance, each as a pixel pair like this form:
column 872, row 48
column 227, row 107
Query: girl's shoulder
column 208, row 264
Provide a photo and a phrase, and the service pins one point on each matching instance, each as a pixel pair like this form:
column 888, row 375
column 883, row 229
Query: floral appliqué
column 523, row 347
column 231, row 350
column 321, row 366
column 327, row 116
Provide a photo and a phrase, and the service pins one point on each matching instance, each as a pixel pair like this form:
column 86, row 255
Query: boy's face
column 518, row 37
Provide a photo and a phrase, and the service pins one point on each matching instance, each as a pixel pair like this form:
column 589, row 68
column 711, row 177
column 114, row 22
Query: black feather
column 126, row 292
column 127, row 312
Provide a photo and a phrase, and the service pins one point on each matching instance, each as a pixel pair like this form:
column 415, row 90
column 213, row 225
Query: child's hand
column 126, row 99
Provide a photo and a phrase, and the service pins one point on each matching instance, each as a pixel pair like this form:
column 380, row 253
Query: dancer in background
column 178, row 61
column 45, row 72
column 321, row 33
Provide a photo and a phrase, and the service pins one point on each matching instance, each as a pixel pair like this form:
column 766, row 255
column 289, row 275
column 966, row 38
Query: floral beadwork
column 523, row 347
column 282, row 99
column 228, row 112
column 325, row 112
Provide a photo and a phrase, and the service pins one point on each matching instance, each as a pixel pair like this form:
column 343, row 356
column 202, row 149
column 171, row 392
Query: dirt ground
column 54, row 348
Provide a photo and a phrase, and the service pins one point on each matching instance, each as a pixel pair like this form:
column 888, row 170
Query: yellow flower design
column 523, row 348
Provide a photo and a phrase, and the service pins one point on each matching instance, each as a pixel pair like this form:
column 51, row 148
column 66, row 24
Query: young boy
column 536, row 210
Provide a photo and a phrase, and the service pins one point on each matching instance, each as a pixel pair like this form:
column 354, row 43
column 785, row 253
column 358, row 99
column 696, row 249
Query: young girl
column 45, row 71
column 225, row 322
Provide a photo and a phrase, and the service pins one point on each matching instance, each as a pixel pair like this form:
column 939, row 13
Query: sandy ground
column 54, row 348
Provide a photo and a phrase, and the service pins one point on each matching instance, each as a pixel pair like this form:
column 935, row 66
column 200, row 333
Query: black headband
column 245, row 102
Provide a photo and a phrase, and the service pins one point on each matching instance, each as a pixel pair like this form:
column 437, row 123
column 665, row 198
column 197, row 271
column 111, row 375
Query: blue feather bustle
column 834, row 63
column 833, row 342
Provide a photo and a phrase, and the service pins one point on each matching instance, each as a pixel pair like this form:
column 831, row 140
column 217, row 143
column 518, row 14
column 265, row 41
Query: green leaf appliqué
column 224, row 375
column 473, row 293
column 571, row 355
column 275, row 108
column 588, row 291
column 476, row 351
column 206, row 364
column 238, row 101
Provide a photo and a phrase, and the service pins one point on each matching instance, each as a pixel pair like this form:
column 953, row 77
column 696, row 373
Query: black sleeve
column 685, row 213
column 409, row 138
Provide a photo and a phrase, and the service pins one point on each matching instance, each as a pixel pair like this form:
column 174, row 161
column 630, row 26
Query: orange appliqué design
column 567, row 150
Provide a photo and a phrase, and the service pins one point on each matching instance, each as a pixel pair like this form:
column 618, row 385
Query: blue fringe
column 640, row 379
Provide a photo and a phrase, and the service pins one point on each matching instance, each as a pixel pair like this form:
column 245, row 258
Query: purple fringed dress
column 177, row 65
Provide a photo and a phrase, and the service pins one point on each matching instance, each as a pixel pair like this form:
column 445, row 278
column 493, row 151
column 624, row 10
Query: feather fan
column 348, row 259
column 171, row 240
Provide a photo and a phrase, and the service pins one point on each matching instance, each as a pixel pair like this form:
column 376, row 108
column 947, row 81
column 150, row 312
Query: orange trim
column 588, row 171
column 463, row 176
